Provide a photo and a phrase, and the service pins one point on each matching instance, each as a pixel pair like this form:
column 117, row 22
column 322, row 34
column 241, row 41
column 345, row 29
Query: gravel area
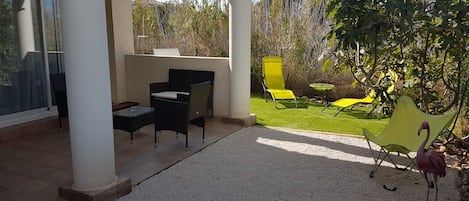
column 259, row 163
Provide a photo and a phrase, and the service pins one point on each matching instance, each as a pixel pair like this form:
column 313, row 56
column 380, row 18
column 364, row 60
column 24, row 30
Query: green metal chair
column 274, row 83
column 400, row 135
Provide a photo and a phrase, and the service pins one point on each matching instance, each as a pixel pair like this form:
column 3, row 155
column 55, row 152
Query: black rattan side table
column 133, row 118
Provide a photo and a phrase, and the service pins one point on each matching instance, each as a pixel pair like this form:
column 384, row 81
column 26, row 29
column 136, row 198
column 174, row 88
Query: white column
column 25, row 28
column 88, row 94
column 240, row 58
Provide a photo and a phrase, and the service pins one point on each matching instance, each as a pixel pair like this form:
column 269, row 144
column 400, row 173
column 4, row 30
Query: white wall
column 120, row 42
column 141, row 70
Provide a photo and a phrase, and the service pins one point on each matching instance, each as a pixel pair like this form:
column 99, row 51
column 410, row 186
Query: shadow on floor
column 32, row 167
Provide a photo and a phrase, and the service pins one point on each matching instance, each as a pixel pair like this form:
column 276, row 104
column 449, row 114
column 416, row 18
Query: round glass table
column 323, row 88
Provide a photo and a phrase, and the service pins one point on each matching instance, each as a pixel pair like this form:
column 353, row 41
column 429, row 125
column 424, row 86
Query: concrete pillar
column 25, row 28
column 88, row 94
column 240, row 59
column 121, row 42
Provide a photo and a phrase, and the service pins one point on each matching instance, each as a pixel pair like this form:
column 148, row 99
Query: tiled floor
column 34, row 166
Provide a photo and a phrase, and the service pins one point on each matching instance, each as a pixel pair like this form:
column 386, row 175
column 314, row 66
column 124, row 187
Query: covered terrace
column 101, row 68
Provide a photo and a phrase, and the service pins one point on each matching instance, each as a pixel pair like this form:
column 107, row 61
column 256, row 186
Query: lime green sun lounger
column 344, row 103
column 274, row 83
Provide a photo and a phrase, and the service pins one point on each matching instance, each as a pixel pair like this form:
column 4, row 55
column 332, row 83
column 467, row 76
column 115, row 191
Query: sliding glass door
column 24, row 54
column 23, row 73
column 53, row 33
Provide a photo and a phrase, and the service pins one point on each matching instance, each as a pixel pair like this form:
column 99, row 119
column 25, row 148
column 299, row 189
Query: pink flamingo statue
column 430, row 162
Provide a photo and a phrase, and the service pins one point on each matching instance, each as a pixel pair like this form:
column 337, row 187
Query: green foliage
column 465, row 89
column 144, row 20
column 209, row 22
column 195, row 27
column 425, row 42
column 292, row 30
column 7, row 53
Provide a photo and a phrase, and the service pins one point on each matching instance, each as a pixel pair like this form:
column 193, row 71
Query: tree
column 210, row 26
column 144, row 25
column 196, row 27
column 424, row 41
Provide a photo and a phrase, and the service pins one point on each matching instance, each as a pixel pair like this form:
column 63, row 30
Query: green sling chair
column 274, row 83
column 344, row 103
column 400, row 135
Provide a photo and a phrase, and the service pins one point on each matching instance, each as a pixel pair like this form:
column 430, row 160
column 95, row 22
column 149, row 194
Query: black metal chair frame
column 60, row 93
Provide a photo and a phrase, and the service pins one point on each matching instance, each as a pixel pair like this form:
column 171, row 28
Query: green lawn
column 308, row 116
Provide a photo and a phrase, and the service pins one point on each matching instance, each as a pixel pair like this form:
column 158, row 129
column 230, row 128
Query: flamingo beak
column 423, row 126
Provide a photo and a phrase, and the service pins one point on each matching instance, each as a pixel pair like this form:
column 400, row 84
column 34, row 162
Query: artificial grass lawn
column 308, row 116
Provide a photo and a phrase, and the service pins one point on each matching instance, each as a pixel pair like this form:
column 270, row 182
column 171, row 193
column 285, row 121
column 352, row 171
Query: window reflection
column 23, row 76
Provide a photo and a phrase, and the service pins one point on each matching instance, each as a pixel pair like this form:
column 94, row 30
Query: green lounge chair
column 400, row 135
column 274, row 83
column 344, row 103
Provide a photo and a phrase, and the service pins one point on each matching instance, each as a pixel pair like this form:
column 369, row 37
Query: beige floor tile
column 10, row 180
column 14, row 196
column 32, row 187
column 32, row 167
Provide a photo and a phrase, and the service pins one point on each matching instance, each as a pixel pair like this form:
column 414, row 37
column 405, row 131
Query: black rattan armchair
column 180, row 80
column 175, row 115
